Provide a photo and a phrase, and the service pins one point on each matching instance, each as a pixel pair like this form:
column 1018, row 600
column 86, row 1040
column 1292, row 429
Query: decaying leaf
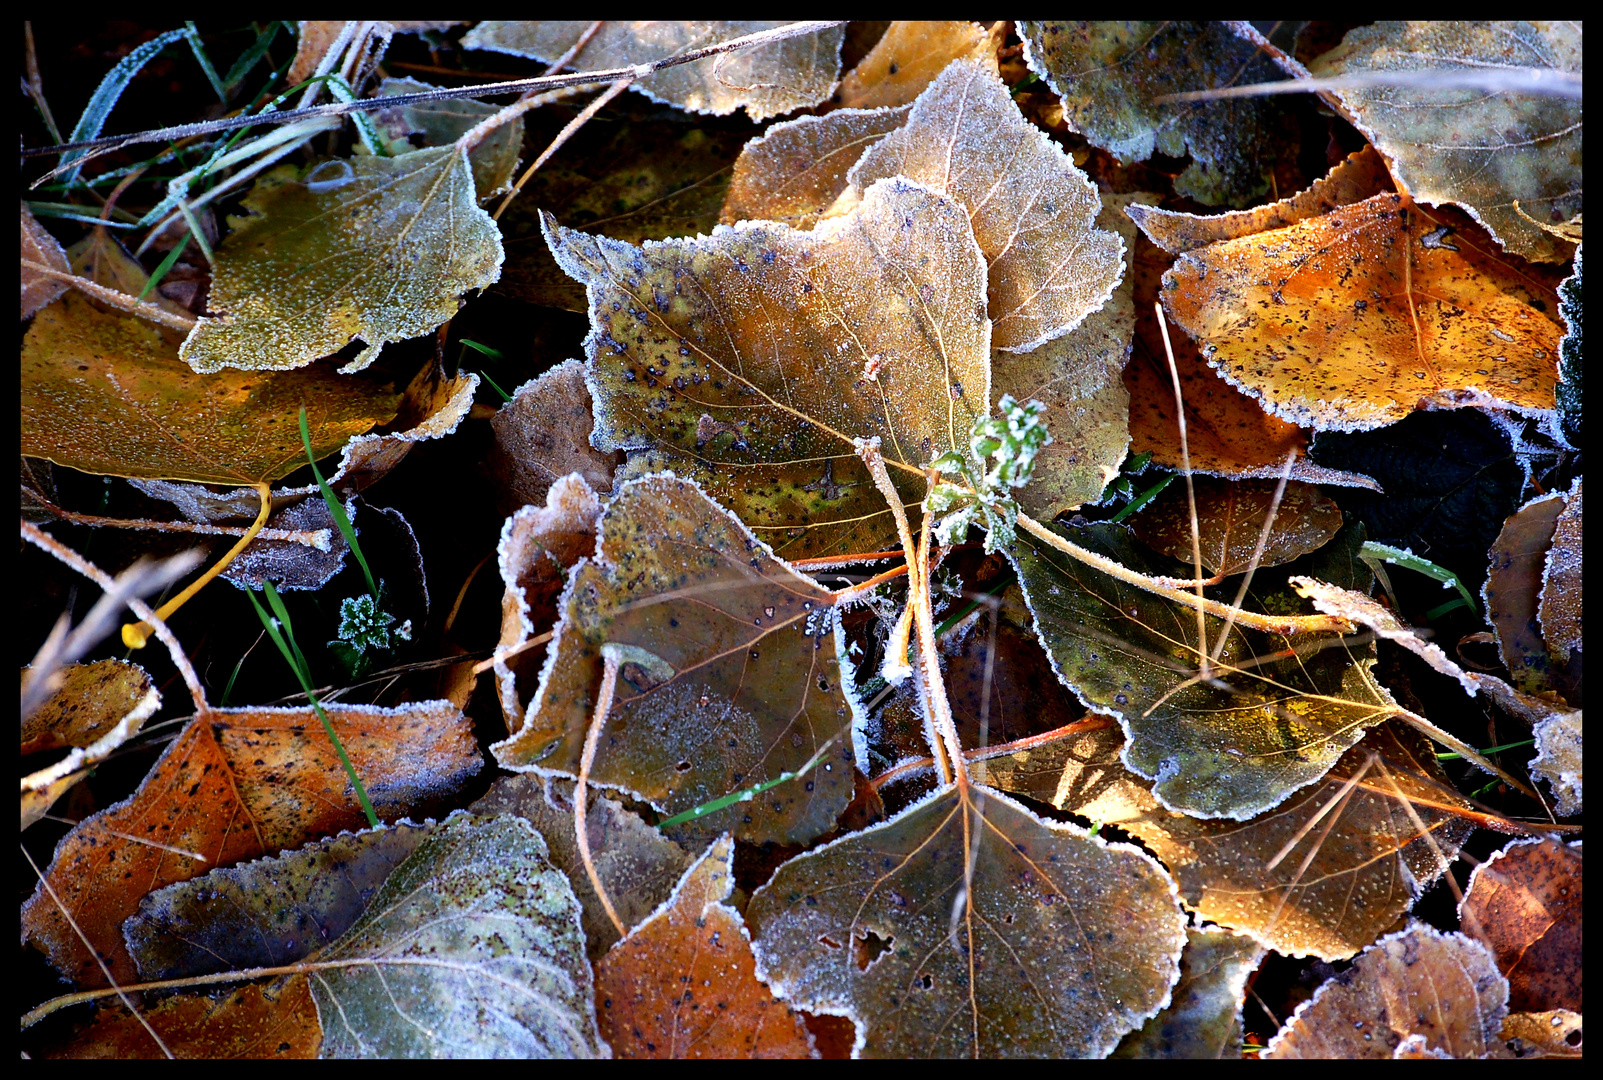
column 1288, row 708
column 40, row 247
column 96, row 709
column 752, row 359
column 681, row 985
column 277, row 1020
column 1203, row 1017
column 1321, row 874
column 1556, row 1033
column 1355, row 319
column 1559, row 602
column 728, row 671
column 1479, row 148
column 494, row 160
column 637, row 865
column 765, row 81
column 267, row 912
column 968, row 927
column 1512, row 593
column 1443, row 988
column 539, row 546
column 432, row 408
column 1108, row 73
column 1360, row 176
column 1524, row 903
column 1230, row 519
column 908, row 57
column 1569, row 356
column 544, row 433
column 238, row 784
column 1558, row 760
column 471, row 948
column 793, row 172
column 1033, row 212
column 375, row 248
column 290, row 564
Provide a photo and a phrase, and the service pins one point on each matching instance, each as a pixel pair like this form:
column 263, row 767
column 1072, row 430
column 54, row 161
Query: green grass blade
column 252, row 56
column 288, row 628
column 106, row 94
column 495, row 385
column 195, row 46
column 1372, row 552
column 165, row 265
column 341, row 518
column 1142, row 499
column 748, row 794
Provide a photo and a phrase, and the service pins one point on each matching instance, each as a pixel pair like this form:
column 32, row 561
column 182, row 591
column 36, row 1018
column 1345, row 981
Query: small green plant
column 1001, row 457
column 364, row 624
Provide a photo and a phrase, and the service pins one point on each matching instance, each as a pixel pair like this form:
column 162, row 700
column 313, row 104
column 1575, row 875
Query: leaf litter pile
column 756, row 539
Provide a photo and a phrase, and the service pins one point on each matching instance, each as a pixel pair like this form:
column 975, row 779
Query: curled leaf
column 543, row 433
column 1558, row 760
column 96, row 709
column 1203, row 1017
column 40, row 247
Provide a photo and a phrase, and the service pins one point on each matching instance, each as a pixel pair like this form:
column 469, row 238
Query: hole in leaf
column 828, row 942
column 867, row 950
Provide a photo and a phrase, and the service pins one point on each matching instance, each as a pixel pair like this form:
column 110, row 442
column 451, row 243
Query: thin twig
column 1257, row 553
column 581, row 835
column 1470, row 754
column 131, row 304
column 1191, row 490
column 1543, row 82
column 321, row 539
column 563, row 136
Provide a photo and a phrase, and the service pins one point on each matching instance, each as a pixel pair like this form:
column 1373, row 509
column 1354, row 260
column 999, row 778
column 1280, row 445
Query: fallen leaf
column 681, row 985
column 1033, row 212
column 793, row 172
column 1230, row 519
column 968, row 927
column 1355, row 319
column 494, row 160
column 96, row 709
column 1556, row 1033
column 1558, row 760
column 471, row 948
column 908, row 57
column 432, row 408
column 1358, row 177
column 1479, row 148
column 371, row 247
column 268, row 912
column 39, row 246
column 765, row 81
column 539, row 546
column 1203, row 1017
column 238, row 784
column 290, row 564
column 637, row 865
column 751, row 359
column 277, row 1020
column 1518, row 560
column 1108, row 73
column 730, row 675
column 544, row 433
column 1559, row 603
column 1290, row 707
column 1568, row 393
column 1524, row 903
column 1441, row 987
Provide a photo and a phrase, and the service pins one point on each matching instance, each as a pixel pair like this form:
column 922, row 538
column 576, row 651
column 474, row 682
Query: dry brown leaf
column 1443, row 988
column 1524, row 903
column 1360, row 176
column 1558, row 760
column 1559, row 603
column 1512, row 592
column 1556, row 1033
column 793, row 172
column 1203, row 1017
column 544, row 433
column 683, row 983
column 96, row 709
column 254, row 1021
column 908, row 57
column 1355, row 319
column 238, row 784
column 40, row 247
column 291, row 564
column 1230, row 519
column 539, row 545
column 1033, row 212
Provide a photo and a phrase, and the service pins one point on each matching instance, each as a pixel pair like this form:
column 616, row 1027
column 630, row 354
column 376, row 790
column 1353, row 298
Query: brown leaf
column 1558, row 760
column 1360, row 176
column 682, row 984
column 544, row 433
column 254, row 1021
column 288, row 563
column 440, row 123
column 1203, row 1017
column 728, row 670
column 1545, row 1034
column 1525, row 904
column 1355, row 319
column 96, row 709
column 1033, row 212
column 793, row 172
column 1559, row 607
column 908, row 57
column 539, row 545
column 1513, row 591
column 1230, row 518
column 238, row 784
column 637, row 865
column 40, row 247
column 1442, row 988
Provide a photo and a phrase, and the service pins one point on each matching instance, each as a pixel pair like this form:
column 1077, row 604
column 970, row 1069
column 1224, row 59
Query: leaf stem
column 581, row 836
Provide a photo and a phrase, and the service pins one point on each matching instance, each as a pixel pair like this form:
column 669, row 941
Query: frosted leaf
column 40, row 247
column 96, row 708
column 1525, row 904
column 765, row 81
column 543, row 433
column 1558, row 760
column 1559, row 604
column 793, row 172
column 375, row 248
column 1033, row 212
column 441, row 123
column 908, row 57
column 1480, row 149
column 1230, row 520
column 1203, row 1018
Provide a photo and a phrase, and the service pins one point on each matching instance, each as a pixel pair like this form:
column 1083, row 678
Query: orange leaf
column 1525, row 903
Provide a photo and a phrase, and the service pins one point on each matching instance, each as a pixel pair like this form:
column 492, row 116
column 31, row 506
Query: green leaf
column 380, row 249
